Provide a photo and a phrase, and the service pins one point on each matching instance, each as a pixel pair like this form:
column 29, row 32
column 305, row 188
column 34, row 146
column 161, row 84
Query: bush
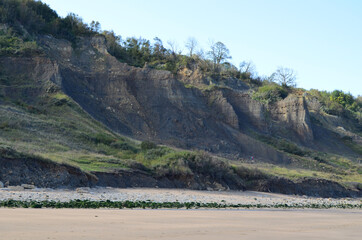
column 249, row 174
column 270, row 93
column 101, row 138
column 339, row 103
column 290, row 148
column 145, row 145
column 13, row 45
column 123, row 146
column 154, row 153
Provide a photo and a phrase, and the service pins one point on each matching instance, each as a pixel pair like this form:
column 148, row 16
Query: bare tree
column 285, row 77
column 219, row 53
column 191, row 44
column 173, row 46
column 247, row 67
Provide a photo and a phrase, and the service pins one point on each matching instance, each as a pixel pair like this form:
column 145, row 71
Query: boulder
column 83, row 190
column 27, row 186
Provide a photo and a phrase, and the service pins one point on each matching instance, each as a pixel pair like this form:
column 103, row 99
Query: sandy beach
column 64, row 224
column 38, row 224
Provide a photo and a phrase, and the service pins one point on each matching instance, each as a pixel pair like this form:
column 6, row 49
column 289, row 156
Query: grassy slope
column 62, row 132
column 306, row 162
column 54, row 127
column 51, row 125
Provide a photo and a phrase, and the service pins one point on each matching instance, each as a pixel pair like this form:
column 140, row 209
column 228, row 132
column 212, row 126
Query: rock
column 1, row 184
column 83, row 190
column 16, row 188
column 292, row 113
column 41, row 173
column 28, row 186
column 219, row 187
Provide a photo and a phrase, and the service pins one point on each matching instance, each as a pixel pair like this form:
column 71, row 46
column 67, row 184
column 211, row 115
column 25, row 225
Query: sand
column 79, row 224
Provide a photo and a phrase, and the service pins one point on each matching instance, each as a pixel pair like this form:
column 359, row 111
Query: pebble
column 166, row 195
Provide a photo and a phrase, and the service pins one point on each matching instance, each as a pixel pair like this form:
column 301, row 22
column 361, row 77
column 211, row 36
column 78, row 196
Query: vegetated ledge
column 169, row 205
column 17, row 169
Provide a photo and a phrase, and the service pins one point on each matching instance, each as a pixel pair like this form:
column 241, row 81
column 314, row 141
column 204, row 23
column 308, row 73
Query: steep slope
column 150, row 104
column 66, row 106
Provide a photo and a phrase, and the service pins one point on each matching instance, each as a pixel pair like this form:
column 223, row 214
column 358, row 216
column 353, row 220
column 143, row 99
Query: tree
column 247, row 68
column 113, row 41
column 95, row 26
column 191, row 44
column 173, row 47
column 219, row 53
column 159, row 51
column 285, row 77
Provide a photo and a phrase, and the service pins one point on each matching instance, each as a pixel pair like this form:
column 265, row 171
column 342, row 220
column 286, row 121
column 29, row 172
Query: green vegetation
column 10, row 44
column 339, row 103
column 66, row 134
column 36, row 17
column 310, row 163
column 27, row 18
column 270, row 92
column 157, row 205
column 51, row 126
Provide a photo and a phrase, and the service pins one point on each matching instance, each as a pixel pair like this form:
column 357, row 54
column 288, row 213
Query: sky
column 320, row 39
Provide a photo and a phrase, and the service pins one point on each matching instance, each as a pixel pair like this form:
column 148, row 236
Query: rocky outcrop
column 306, row 186
column 292, row 114
column 250, row 112
column 223, row 109
column 135, row 178
column 42, row 173
column 149, row 104
column 43, row 71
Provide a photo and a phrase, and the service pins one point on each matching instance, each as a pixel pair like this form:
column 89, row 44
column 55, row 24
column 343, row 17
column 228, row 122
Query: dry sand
column 79, row 224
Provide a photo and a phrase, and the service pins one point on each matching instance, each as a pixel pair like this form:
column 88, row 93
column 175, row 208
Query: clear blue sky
column 320, row 39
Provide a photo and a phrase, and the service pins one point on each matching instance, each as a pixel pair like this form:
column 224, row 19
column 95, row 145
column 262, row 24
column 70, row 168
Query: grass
column 310, row 163
column 354, row 146
column 52, row 126
column 65, row 134
column 293, row 173
column 91, row 147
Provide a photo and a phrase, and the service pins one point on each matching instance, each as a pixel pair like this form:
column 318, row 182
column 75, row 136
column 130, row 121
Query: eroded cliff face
column 292, row 114
column 150, row 104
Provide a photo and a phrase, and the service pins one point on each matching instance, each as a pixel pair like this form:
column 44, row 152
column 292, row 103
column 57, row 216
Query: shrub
column 145, row 145
column 154, row 153
column 123, row 146
column 249, row 174
column 14, row 45
column 289, row 147
column 101, row 138
column 339, row 103
column 270, row 93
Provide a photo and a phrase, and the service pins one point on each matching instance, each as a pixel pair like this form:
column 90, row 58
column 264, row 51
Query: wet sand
column 79, row 224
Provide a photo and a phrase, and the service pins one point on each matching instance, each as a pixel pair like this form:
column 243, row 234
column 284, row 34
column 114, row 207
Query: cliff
column 184, row 111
